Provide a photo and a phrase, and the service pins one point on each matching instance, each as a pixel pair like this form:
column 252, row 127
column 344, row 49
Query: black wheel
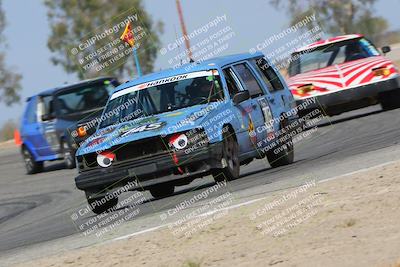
column 283, row 153
column 69, row 155
column 230, row 158
column 31, row 165
column 390, row 100
column 101, row 204
column 162, row 190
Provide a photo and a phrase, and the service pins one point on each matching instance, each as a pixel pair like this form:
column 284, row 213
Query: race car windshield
column 134, row 102
column 331, row 54
column 83, row 99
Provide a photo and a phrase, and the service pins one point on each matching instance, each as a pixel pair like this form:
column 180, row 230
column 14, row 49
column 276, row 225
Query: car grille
column 145, row 148
column 128, row 151
column 141, row 148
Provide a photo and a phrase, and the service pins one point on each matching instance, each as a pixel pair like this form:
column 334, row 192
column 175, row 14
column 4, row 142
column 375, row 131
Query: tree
column 373, row 27
column 9, row 81
column 73, row 23
column 337, row 16
column 7, row 130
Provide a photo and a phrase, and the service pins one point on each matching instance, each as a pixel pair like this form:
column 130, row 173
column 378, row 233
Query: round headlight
column 179, row 141
column 105, row 159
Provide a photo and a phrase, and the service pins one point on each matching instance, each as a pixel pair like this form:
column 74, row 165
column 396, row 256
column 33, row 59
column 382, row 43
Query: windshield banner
column 164, row 81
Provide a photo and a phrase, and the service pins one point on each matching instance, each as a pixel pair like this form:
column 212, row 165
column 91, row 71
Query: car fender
column 217, row 119
column 28, row 145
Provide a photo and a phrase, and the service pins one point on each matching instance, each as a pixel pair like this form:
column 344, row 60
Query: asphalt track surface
column 38, row 208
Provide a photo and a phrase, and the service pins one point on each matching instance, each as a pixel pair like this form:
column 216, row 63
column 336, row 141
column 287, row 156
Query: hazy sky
column 252, row 21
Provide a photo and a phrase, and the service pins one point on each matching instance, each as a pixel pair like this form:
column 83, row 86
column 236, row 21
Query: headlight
column 178, row 141
column 381, row 71
column 189, row 141
column 305, row 88
column 81, row 131
column 105, row 159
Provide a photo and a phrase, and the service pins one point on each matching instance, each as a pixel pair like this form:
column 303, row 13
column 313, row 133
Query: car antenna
column 179, row 46
column 184, row 32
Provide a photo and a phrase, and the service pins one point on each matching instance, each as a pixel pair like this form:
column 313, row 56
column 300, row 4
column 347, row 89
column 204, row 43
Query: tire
column 31, row 165
column 390, row 100
column 162, row 190
column 69, row 156
column 285, row 155
column 230, row 151
column 99, row 204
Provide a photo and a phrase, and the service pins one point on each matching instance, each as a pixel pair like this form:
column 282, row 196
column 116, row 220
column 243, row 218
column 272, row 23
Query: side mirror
column 47, row 117
column 386, row 49
column 240, row 97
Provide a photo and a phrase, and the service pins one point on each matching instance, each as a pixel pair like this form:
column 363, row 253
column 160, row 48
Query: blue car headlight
column 189, row 140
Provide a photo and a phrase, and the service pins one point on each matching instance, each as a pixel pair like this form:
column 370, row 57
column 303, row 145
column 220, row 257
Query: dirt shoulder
column 7, row 144
column 349, row 221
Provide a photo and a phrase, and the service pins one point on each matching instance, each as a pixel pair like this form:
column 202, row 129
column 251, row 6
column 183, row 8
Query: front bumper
column 353, row 98
column 152, row 170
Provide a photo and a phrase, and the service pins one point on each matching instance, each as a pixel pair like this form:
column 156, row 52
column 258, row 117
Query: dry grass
column 191, row 263
column 350, row 222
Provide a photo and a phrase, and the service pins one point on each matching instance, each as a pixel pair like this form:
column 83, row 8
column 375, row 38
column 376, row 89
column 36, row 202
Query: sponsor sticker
column 251, row 130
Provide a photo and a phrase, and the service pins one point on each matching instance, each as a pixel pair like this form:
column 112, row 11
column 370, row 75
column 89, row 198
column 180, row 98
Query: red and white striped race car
column 342, row 74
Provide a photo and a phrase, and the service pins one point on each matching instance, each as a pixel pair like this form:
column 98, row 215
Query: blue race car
column 168, row 128
column 51, row 116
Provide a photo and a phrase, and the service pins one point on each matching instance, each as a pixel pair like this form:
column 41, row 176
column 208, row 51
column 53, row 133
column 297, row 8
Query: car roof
column 328, row 41
column 73, row 85
column 190, row 67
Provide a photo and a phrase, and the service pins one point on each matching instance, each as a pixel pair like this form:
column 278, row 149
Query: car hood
column 145, row 127
column 340, row 76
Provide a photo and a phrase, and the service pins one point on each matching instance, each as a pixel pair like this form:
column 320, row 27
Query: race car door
column 252, row 107
column 234, row 86
column 261, row 112
column 48, row 125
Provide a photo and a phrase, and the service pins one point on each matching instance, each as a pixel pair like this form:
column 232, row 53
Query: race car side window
column 249, row 80
column 230, row 81
column 369, row 47
column 45, row 107
column 30, row 113
column 268, row 74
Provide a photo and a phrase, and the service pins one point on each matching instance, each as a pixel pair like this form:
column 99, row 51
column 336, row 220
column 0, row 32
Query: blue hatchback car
column 52, row 115
column 168, row 128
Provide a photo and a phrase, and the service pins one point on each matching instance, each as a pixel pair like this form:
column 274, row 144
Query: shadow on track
column 333, row 122
column 53, row 166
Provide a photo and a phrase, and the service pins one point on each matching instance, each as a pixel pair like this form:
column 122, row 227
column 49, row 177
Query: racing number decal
column 147, row 127
column 268, row 119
